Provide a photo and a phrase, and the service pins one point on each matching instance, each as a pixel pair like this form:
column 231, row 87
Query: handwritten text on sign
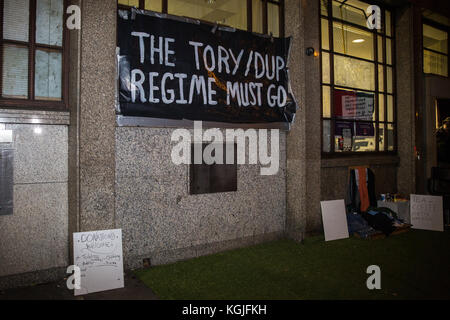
column 98, row 254
column 427, row 212
column 178, row 69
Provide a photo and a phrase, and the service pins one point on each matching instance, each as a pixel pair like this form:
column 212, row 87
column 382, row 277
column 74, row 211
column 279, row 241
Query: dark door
column 443, row 132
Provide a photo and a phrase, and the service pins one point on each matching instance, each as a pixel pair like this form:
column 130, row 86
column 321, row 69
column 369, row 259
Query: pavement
column 134, row 290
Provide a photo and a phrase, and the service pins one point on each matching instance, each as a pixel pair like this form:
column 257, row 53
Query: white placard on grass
column 334, row 220
column 99, row 256
column 427, row 212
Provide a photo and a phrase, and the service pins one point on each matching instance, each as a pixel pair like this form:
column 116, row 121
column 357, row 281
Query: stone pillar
column 304, row 140
column 73, row 133
column 405, row 89
column 96, row 115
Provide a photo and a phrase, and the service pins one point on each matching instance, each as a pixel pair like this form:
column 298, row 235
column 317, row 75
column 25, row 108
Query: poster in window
column 347, row 140
column 340, row 126
column 344, row 132
column 365, row 129
column 354, row 105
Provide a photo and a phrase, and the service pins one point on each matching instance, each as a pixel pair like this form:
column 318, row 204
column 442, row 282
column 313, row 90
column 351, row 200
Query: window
column 32, row 54
column 154, row 5
column 358, row 96
column 261, row 16
column 435, row 50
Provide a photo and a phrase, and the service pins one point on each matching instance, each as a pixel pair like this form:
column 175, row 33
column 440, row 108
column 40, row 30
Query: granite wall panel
column 35, row 236
column 157, row 213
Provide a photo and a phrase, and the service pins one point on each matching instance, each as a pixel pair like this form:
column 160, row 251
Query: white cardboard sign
column 334, row 220
column 99, row 256
column 427, row 212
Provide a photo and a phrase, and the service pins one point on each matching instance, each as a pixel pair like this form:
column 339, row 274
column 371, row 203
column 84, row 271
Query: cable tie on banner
column 215, row 28
column 271, row 37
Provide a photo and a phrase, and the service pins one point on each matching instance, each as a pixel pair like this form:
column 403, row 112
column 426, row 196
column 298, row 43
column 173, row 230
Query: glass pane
column 325, row 36
column 435, row 63
column 324, row 7
column 48, row 75
column 326, row 92
column 389, row 87
column 390, row 108
column 436, row 17
column 343, row 136
column 326, row 136
column 154, row 5
column 354, row 136
column 232, row 13
column 49, row 22
column 380, row 78
column 380, row 49
column 390, row 137
column 325, row 67
column 388, row 23
column 352, row 11
column 381, row 107
column 352, row 41
column 16, row 20
column 354, row 105
column 273, row 19
column 131, row 3
column 365, row 139
column 381, row 137
column 257, row 14
column 388, row 51
column 354, row 73
column 15, row 72
column 435, row 39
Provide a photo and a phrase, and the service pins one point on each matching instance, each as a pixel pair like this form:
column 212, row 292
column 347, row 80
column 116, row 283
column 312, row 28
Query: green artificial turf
column 414, row 265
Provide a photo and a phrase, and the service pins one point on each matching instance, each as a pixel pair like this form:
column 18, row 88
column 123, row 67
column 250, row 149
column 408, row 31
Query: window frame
column 375, row 61
column 441, row 27
column 280, row 4
column 32, row 46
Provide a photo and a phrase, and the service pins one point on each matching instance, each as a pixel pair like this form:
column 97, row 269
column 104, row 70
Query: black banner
column 183, row 69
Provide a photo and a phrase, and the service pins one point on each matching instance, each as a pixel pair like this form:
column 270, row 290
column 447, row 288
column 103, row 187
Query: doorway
column 443, row 132
column 440, row 180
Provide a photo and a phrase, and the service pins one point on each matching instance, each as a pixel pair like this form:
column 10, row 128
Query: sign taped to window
column 354, row 105
column 178, row 68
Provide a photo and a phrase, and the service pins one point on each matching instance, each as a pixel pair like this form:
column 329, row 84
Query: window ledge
column 128, row 121
column 363, row 160
column 13, row 116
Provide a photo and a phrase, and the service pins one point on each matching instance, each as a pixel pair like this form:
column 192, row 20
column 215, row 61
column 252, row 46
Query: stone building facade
column 84, row 172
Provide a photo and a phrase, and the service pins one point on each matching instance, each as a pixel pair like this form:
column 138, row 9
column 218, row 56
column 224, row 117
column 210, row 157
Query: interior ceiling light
column 210, row 1
column 358, row 40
